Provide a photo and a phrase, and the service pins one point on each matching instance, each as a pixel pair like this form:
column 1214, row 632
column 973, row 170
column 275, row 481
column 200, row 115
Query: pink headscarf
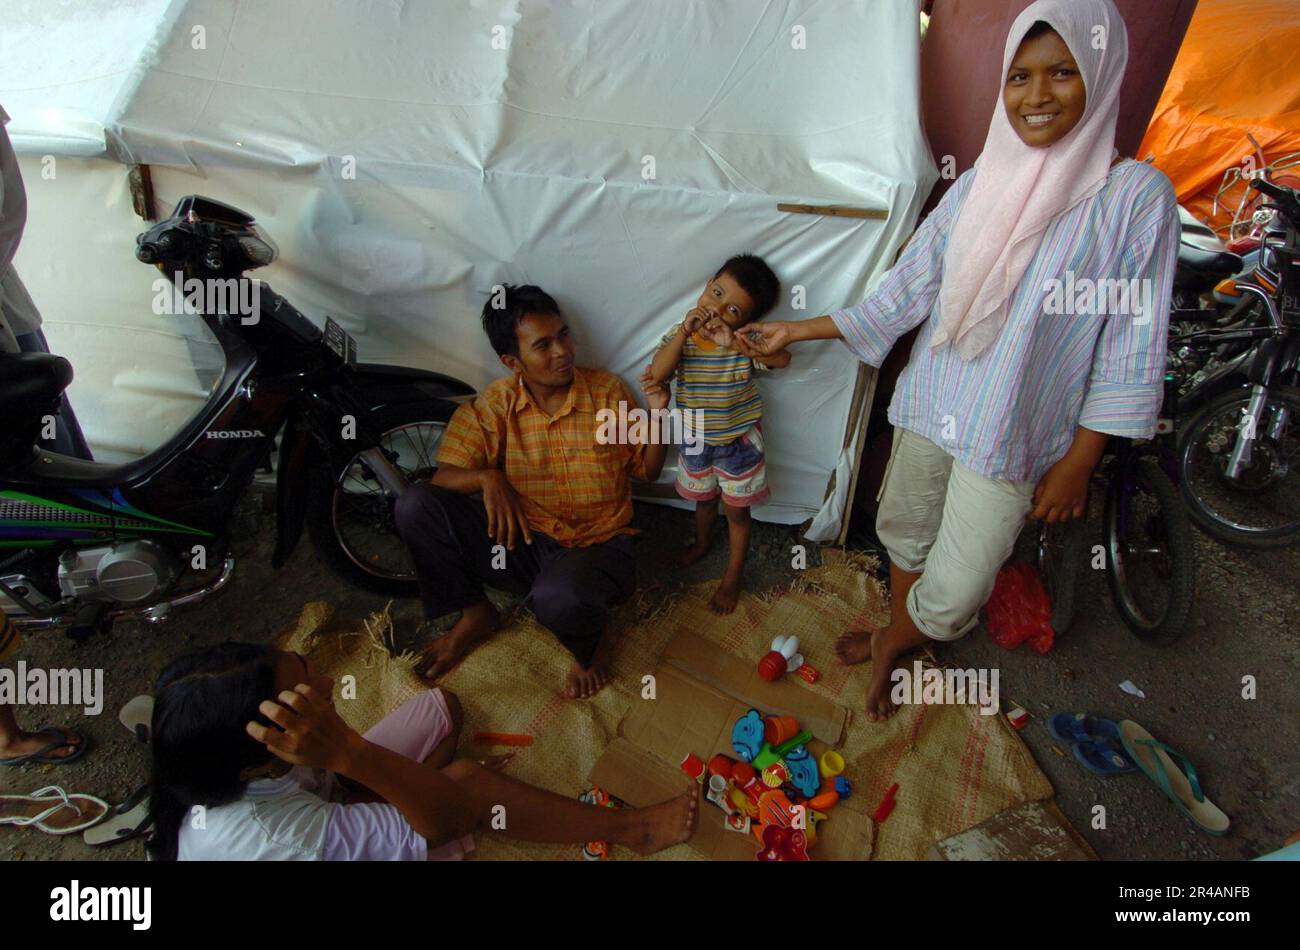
column 1019, row 189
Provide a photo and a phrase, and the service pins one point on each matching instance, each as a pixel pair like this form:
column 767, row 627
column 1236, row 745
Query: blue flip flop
column 1102, row 757
column 1082, row 727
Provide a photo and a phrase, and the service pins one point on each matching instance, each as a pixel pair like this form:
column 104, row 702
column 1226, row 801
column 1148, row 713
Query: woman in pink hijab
column 1043, row 278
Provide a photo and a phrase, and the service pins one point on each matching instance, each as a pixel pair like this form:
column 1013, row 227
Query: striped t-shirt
column 1061, row 360
column 718, row 383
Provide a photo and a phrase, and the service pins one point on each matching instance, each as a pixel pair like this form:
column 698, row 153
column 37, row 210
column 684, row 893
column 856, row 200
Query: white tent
column 407, row 155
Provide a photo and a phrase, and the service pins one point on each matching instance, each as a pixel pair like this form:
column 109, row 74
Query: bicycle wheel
column 1149, row 556
column 1061, row 549
column 1260, row 508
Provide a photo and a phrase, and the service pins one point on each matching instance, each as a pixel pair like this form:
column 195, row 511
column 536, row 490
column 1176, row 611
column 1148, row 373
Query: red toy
column 693, row 766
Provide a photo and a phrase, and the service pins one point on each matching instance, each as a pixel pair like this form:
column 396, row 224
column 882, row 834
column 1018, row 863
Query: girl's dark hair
column 755, row 278
column 1040, row 28
column 500, row 322
column 202, row 703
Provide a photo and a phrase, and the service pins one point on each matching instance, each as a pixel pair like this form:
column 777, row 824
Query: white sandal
column 59, row 800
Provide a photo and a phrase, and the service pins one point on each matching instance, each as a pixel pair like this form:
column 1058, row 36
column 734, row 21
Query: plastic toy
column 824, row 801
column 777, row 729
column 803, row 771
column 742, row 773
column 693, row 766
column 843, row 787
column 792, row 743
column 747, row 736
column 737, row 823
column 741, row 802
column 783, row 658
column 886, row 804
column 830, row 765
column 766, row 757
column 775, row 808
column 503, row 738
column 721, row 765
column 718, row 794
column 776, row 775
column 783, row 844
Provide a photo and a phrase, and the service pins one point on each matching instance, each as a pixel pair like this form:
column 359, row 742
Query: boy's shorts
column 9, row 637
column 735, row 469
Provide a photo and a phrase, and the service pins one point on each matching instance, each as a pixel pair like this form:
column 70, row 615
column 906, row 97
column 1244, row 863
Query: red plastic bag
column 1019, row 610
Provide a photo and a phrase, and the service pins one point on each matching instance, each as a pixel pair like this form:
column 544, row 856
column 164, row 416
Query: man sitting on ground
column 553, row 523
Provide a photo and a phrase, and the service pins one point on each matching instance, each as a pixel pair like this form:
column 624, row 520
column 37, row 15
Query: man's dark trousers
column 569, row 590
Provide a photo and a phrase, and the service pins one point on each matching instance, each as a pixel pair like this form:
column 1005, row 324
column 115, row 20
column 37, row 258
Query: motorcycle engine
column 126, row 572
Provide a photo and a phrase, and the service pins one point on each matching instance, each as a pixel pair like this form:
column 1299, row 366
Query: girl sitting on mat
column 1012, row 392
column 239, row 728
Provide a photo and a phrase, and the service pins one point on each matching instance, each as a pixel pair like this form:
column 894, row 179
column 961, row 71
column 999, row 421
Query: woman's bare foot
column 854, row 646
column 725, row 597
column 887, row 646
column 477, row 622
column 694, row 552
column 666, row 824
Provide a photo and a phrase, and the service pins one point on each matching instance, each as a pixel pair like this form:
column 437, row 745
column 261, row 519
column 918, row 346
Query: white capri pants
column 954, row 527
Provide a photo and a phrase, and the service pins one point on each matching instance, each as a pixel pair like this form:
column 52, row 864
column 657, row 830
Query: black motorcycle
column 83, row 544
column 1237, row 439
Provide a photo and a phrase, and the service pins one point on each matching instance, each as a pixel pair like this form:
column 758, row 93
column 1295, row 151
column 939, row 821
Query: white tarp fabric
column 407, row 155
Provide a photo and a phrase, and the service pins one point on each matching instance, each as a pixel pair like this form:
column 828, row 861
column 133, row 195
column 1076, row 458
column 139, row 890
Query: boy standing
column 716, row 381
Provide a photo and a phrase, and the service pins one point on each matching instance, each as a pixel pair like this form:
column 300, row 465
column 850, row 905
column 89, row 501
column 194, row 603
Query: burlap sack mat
column 954, row 767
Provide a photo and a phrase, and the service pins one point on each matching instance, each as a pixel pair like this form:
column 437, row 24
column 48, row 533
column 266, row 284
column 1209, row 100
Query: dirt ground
column 1244, row 749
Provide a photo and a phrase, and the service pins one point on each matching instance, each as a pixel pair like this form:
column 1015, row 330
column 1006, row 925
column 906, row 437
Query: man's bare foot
column 477, row 622
column 725, row 597
column 694, row 552
column 583, row 683
column 854, row 646
column 31, row 742
column 666, row 824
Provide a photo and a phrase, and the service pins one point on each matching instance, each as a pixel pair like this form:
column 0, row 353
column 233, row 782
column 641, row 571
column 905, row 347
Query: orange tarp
column 1238, row 71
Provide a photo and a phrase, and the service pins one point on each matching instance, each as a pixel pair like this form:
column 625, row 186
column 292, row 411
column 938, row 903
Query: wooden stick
column 835, row 211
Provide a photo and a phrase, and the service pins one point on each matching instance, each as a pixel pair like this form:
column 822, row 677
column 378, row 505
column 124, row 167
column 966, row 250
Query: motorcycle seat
column 31, row 385
column 32, row 377
column 1208, row 262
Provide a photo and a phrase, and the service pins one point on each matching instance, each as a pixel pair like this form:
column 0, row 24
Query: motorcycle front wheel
column 350, row 517
column 1260, row 508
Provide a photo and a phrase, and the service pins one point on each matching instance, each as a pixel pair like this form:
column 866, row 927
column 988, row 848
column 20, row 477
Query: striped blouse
column 719, row 382
column 1083, row 345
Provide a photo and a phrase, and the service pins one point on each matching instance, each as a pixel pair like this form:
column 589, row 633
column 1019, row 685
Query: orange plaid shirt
column 574, row 489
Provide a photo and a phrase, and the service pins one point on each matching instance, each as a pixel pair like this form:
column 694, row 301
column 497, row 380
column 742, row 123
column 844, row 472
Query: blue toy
column 803, row 771
column 843, row 787
column 747, row 736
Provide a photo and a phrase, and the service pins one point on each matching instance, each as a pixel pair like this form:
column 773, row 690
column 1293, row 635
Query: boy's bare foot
column 477, row 622
column 855, row 646
column 725, row 597
column 666, row 824
column 692, row 553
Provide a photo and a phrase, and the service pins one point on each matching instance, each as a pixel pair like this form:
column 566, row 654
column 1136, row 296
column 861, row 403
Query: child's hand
column 719, row 332
column 656, row 393
column 695, row 318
